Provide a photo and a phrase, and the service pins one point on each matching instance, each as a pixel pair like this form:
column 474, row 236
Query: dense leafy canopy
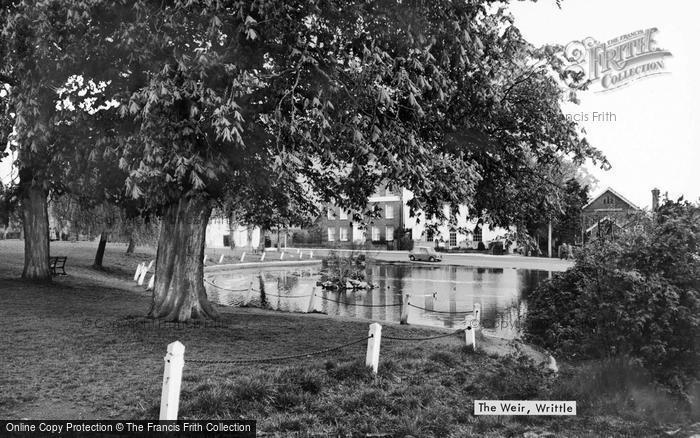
column 638, row 296
column 325, row 100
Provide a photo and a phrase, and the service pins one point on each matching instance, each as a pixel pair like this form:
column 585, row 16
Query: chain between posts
column 440, row 311
column 224, row 288
column 446, row 335
column 280, row 358
column 359, row 305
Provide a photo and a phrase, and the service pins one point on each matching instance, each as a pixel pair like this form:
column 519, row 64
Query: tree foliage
column 638, row 296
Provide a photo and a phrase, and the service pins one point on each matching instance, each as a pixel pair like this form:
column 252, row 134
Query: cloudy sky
column 655, row 137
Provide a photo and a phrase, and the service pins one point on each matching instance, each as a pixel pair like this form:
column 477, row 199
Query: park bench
column 56, row 263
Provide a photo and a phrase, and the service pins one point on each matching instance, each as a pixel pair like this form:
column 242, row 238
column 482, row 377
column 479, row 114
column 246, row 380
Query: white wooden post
column 373, row 345
column 311, row 254
column 221, row 259
column 262, row 257
column 205, row 259
column 311, row 300
column 142, row 277
column 172, row 379
column 301, row 254
column 243, row 256
column 151, row 282
column 477, row 315
column 138, row 271
column 404, row 309
column 470, row 334
column 281, row 255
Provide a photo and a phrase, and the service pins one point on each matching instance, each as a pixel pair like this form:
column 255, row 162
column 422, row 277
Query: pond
column 440, row 295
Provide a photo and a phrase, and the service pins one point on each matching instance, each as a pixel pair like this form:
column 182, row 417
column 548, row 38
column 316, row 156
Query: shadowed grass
column 81, row 348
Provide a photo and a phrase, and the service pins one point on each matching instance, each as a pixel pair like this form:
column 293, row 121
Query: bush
column 636, row 297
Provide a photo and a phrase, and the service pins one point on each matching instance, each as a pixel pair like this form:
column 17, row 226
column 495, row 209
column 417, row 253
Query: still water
column 440, row 296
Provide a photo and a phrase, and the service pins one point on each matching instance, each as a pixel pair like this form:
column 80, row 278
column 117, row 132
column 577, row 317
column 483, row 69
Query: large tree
column 326, row 99
column 42, row 44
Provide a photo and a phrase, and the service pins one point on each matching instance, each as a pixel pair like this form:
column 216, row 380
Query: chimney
column 655, row 199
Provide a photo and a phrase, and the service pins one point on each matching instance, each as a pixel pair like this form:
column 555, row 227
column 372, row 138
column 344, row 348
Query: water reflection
column 441, row 296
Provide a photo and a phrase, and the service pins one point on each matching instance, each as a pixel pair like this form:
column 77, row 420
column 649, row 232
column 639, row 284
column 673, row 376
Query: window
column 429, row 236
column 389, row 233
column 477, row 234
column 375, row 234
column 389, row 211
column 343, row 234
column 331, row 215
column 331, row 234
column 453, row 238
column 343, row 214
column 424, row 251
column 387, row 191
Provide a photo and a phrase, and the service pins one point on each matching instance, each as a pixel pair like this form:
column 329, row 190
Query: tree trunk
column 36, row 232
column 100, row 250
column 131, row 246
column 179, row 293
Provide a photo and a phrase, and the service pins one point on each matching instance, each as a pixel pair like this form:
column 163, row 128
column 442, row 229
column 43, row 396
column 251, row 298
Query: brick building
column 338, row 229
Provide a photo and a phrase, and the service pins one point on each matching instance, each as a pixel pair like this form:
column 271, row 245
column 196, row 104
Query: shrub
column 636, row 297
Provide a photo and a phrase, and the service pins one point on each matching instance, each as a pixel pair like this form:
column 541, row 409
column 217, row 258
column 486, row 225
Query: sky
column 654, row 138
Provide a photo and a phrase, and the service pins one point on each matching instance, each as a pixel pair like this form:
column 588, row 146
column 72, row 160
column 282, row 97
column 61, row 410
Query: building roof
column 610, row 189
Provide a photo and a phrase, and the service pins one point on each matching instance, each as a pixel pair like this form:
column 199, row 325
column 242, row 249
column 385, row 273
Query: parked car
column 424, row 253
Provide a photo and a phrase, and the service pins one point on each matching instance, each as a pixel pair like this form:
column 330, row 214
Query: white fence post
column 142, row 277
column 138, row 271
column 172, row 379
column 243, row 256
column 470, row 333
column 262, row 257
column 404, row 309
column 311, row 300
column 281, row 255
column 311, row 254
column 221, row 259
column 151, row 282
column 477, row 315
column 373, row 345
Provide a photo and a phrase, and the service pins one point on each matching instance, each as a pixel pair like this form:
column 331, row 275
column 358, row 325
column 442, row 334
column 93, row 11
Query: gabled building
column 606, row 214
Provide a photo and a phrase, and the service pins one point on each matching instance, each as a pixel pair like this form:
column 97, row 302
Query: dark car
column 424, row 253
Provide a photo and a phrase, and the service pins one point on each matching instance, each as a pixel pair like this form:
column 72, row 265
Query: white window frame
column 343, row 234
column 389, row 211
column 331, row 234
column 453, row 234
column 343, row 214
column 330, row 214
column 376, row 234
column 389, row 233
column 478, row 234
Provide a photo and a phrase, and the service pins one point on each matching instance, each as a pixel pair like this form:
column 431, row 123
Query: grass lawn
column 80, row 348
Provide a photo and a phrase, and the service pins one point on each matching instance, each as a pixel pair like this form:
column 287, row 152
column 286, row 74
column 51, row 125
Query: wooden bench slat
column 58, row 262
